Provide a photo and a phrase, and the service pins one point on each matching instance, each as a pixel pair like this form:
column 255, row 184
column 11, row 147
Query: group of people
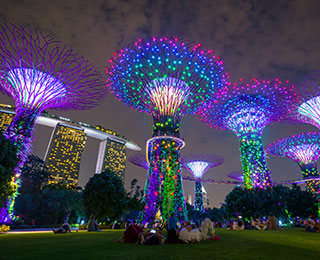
column 310, row 224
column 65, row 228
column 270, row 223
column 176, row 232
column 185, row 232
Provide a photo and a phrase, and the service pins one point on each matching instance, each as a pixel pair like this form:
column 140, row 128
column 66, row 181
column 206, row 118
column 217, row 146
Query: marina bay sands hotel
column 67, row 143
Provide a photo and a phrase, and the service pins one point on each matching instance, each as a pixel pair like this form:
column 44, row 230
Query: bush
column 4, row 229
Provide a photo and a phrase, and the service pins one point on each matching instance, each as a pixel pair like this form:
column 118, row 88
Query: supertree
column 307, row 110
column 167, row 78
column 236, row 176
column 41, row 73
column 140, row 160
column 246, row 108
column 198, row 165
column 304, row 149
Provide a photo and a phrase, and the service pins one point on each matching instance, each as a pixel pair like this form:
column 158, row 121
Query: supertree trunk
column 198, row 200
column 20, row 132
column 310, row 171
column 255, row 170
column 164, row 188
column 151, row 195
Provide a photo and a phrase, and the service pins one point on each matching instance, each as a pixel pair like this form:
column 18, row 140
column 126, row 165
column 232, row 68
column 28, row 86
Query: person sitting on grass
column 63, row 229
column 311, row 226
column 238, row 224
column 218, row 224
column 272, row 222
column 206, row 229
column 318, row 226
column 171, row 225
column 260, row 224
column 92, row 225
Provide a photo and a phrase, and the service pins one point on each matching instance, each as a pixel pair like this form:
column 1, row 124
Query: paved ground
column 35, row 230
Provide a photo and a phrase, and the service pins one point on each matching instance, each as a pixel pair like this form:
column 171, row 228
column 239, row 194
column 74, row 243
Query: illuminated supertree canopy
column 41, row 73
column 245, row 109
column 304, row 149
column 307, row 110
column 167, row 78
column 198, row 165
column 141, row 161
column 236, row 176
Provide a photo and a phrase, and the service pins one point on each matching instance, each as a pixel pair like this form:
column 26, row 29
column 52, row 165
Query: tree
column 134, row 203
column 280, row 200
column 104, row 196
column 65, row 201
column 301, row 203
column 34, row 174
column 8, row 161
column 52, row 205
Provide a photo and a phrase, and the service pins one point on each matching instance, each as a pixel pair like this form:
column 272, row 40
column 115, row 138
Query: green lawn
column 248, row 244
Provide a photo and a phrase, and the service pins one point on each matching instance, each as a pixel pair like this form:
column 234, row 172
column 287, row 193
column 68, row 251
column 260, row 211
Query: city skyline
column 264, row 40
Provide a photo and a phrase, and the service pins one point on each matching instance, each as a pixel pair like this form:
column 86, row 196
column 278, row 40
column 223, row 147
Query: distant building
column 206, row 202
column 67, row 142
column 112, row 156
column 63, row 155
column 5, row 119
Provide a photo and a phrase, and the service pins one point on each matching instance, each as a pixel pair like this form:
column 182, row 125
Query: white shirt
column 185, row 235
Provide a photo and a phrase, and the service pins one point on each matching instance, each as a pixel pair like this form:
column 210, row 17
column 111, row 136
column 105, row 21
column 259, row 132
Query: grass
column 248, row 244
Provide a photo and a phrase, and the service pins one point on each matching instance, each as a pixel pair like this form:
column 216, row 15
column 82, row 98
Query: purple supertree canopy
column 165, row 76
column 139, row 160
column 302, row 148
column 200, row 163
column 40, row 72
column 247, row 108
column 236, row 176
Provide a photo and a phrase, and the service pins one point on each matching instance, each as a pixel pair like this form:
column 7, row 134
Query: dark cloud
column 255, row 39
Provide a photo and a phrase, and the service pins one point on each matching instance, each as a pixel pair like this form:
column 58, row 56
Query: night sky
column 263, row 39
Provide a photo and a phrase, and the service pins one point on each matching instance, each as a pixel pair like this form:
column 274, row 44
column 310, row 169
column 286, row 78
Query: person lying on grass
column 152, row 237
column 63, row 229
column 131, row 234
column 187, row 234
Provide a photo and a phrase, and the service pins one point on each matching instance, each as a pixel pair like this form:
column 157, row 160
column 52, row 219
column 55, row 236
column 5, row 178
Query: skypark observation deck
column 96, row 132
